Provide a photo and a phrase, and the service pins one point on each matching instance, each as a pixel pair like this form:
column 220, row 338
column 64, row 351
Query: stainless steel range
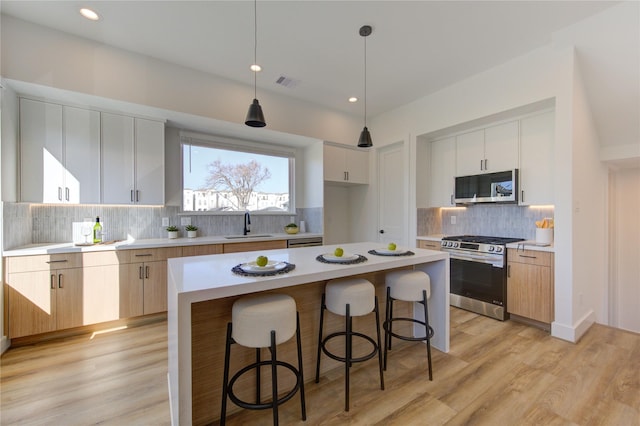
column 479, row 273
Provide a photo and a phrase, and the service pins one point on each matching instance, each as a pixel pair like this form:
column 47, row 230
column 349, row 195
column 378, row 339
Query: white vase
column 192, row 234
column 173, row 234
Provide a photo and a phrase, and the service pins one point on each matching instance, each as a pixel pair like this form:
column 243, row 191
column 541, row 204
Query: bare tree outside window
column 239, row 179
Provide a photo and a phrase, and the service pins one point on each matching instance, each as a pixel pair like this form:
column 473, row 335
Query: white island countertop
column 206, row 285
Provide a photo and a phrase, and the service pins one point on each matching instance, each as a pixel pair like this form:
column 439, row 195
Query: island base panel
column 208, row 327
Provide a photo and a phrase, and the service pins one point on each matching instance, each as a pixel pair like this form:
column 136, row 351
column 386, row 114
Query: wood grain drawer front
column 254, row 245
column 104, row 258
column 530, row 257
column 152, row 255
column 44, row 262
column 201, row 250
column 431, row 245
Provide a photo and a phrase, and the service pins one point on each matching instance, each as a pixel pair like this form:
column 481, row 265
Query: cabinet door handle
column 53, row 281
column 146, row 272
column 57, row 261
column 60, row 193
column 60, row 281
column 66, row 193
column 522, row 195
column 481, row 165
column 140, row 272
column 508, row 271
column 451, row 199
column 144, row 255
column 486, row 164
column 528, row 256
column 132, row 195
column 137, row 195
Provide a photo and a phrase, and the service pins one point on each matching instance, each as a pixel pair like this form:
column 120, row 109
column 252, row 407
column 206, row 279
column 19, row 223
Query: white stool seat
column 254, row 317
column 408, row 285
column 358, row 293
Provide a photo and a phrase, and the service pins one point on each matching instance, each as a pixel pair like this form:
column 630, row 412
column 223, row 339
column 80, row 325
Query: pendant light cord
column 365, row 81
column 255, row 47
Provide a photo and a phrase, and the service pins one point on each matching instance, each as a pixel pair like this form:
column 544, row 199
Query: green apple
column 391, row 246
column 262, row 261
column 338, row 252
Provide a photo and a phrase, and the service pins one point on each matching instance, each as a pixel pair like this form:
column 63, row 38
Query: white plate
column 272, row 265
column 346, row 257
column 387, row 251
column 83, row 244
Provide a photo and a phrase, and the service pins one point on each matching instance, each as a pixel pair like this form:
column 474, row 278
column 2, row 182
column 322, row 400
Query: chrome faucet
column 247, row 223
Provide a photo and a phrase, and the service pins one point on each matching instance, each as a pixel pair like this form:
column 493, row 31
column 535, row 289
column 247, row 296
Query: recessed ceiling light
column 89, row 14
column 256, row 68
column 353, row 99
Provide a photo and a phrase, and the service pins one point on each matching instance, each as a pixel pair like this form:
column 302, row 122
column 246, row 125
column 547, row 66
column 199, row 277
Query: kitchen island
column 202, row 290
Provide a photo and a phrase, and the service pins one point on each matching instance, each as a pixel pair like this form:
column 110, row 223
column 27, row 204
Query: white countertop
column 36, row 249
column 432, row 237
column 210, row 277
column 531, row 245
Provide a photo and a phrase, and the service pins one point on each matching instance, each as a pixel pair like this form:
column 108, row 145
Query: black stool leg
column 274, row 378
column 347, row 356
column 258, row 384
column 390, row 320
column 227, row 353
column 386, row 325
column 302, row 400
column 426, row 329
column 320, row 339
column 379, row 342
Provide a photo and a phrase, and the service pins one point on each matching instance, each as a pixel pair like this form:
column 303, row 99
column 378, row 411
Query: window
column 225, row 177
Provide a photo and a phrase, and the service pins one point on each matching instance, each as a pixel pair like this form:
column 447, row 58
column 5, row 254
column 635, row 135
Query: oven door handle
column 498, row 263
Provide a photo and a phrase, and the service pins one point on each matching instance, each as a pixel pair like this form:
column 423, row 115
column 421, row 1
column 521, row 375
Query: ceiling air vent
column 288, row 82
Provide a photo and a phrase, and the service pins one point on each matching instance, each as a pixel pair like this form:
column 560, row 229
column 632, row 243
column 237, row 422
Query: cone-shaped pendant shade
column 255, row 118
column 365, row 139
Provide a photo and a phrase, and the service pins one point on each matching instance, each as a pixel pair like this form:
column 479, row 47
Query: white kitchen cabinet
column 60, row 153
column 493, row 149
column 345, row 165
column 442, row 170
column 132, row 160
column 537, row 135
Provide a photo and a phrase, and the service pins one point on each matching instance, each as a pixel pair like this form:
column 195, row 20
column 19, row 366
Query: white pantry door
column 392, row 195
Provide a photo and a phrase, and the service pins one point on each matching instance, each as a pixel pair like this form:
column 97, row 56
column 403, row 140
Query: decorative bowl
column 291, row 230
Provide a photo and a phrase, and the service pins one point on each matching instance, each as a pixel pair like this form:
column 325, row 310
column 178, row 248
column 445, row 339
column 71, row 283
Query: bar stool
column 408, row 286
column 350, row 297
column 263, row 321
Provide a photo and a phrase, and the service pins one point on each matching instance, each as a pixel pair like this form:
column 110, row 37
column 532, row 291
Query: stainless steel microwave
column 499, row 187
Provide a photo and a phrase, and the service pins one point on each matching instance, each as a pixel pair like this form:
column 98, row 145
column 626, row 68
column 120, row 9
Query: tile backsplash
column 499, row 220
column 25, row 223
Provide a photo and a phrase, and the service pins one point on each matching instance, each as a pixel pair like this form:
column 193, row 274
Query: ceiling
column 417, row 47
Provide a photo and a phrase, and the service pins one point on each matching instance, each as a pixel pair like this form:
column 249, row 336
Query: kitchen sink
column 235, row 237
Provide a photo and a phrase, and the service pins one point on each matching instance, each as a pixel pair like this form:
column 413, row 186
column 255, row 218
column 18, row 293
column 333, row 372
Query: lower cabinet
column 44, row 293
column 430, row 245
column 254, row 245
column 530, row 285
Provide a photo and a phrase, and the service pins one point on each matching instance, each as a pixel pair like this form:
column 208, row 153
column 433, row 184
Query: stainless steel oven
column 478, row 274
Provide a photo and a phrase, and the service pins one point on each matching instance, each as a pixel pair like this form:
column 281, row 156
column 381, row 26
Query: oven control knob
column 498, row 249
column 491, row 248
column 455, row 245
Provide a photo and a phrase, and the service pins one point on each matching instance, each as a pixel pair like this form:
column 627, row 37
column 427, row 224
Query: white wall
column 9, row 149
column 39, row 55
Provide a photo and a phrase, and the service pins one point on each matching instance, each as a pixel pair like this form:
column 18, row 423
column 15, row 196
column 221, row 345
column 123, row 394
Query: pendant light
column 365, row 136
column 255, row 118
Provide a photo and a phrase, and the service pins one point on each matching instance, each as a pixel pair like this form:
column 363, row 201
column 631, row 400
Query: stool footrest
column 267, row 405
column 343, row 359
column 385, row 326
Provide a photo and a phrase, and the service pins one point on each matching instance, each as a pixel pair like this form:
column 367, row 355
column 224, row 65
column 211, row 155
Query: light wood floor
column 495, row 374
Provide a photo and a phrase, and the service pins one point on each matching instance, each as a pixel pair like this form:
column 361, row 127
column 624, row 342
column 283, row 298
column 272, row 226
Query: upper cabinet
column 442, row 161
column 537, row 135
column 493, row 149
column 132, row 160
column 345, row 165
column 60, row 153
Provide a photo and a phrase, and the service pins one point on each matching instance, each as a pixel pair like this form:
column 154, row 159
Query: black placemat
column 360, row 259
column 406, row 253
column 238, row 270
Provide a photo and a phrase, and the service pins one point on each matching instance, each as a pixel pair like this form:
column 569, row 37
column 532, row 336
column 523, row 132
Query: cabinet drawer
column 201, row 250
column 431, row 245
column 151, row 255
column 530, row 257
column 254, row 245
column 104, row 258
column 43, row 262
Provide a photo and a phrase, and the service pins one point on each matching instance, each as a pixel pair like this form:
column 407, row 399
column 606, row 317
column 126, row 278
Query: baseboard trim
column 576, row 331
column 4, row 344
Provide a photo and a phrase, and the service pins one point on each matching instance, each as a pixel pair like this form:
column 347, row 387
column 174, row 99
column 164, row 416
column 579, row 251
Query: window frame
column 239, row 145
